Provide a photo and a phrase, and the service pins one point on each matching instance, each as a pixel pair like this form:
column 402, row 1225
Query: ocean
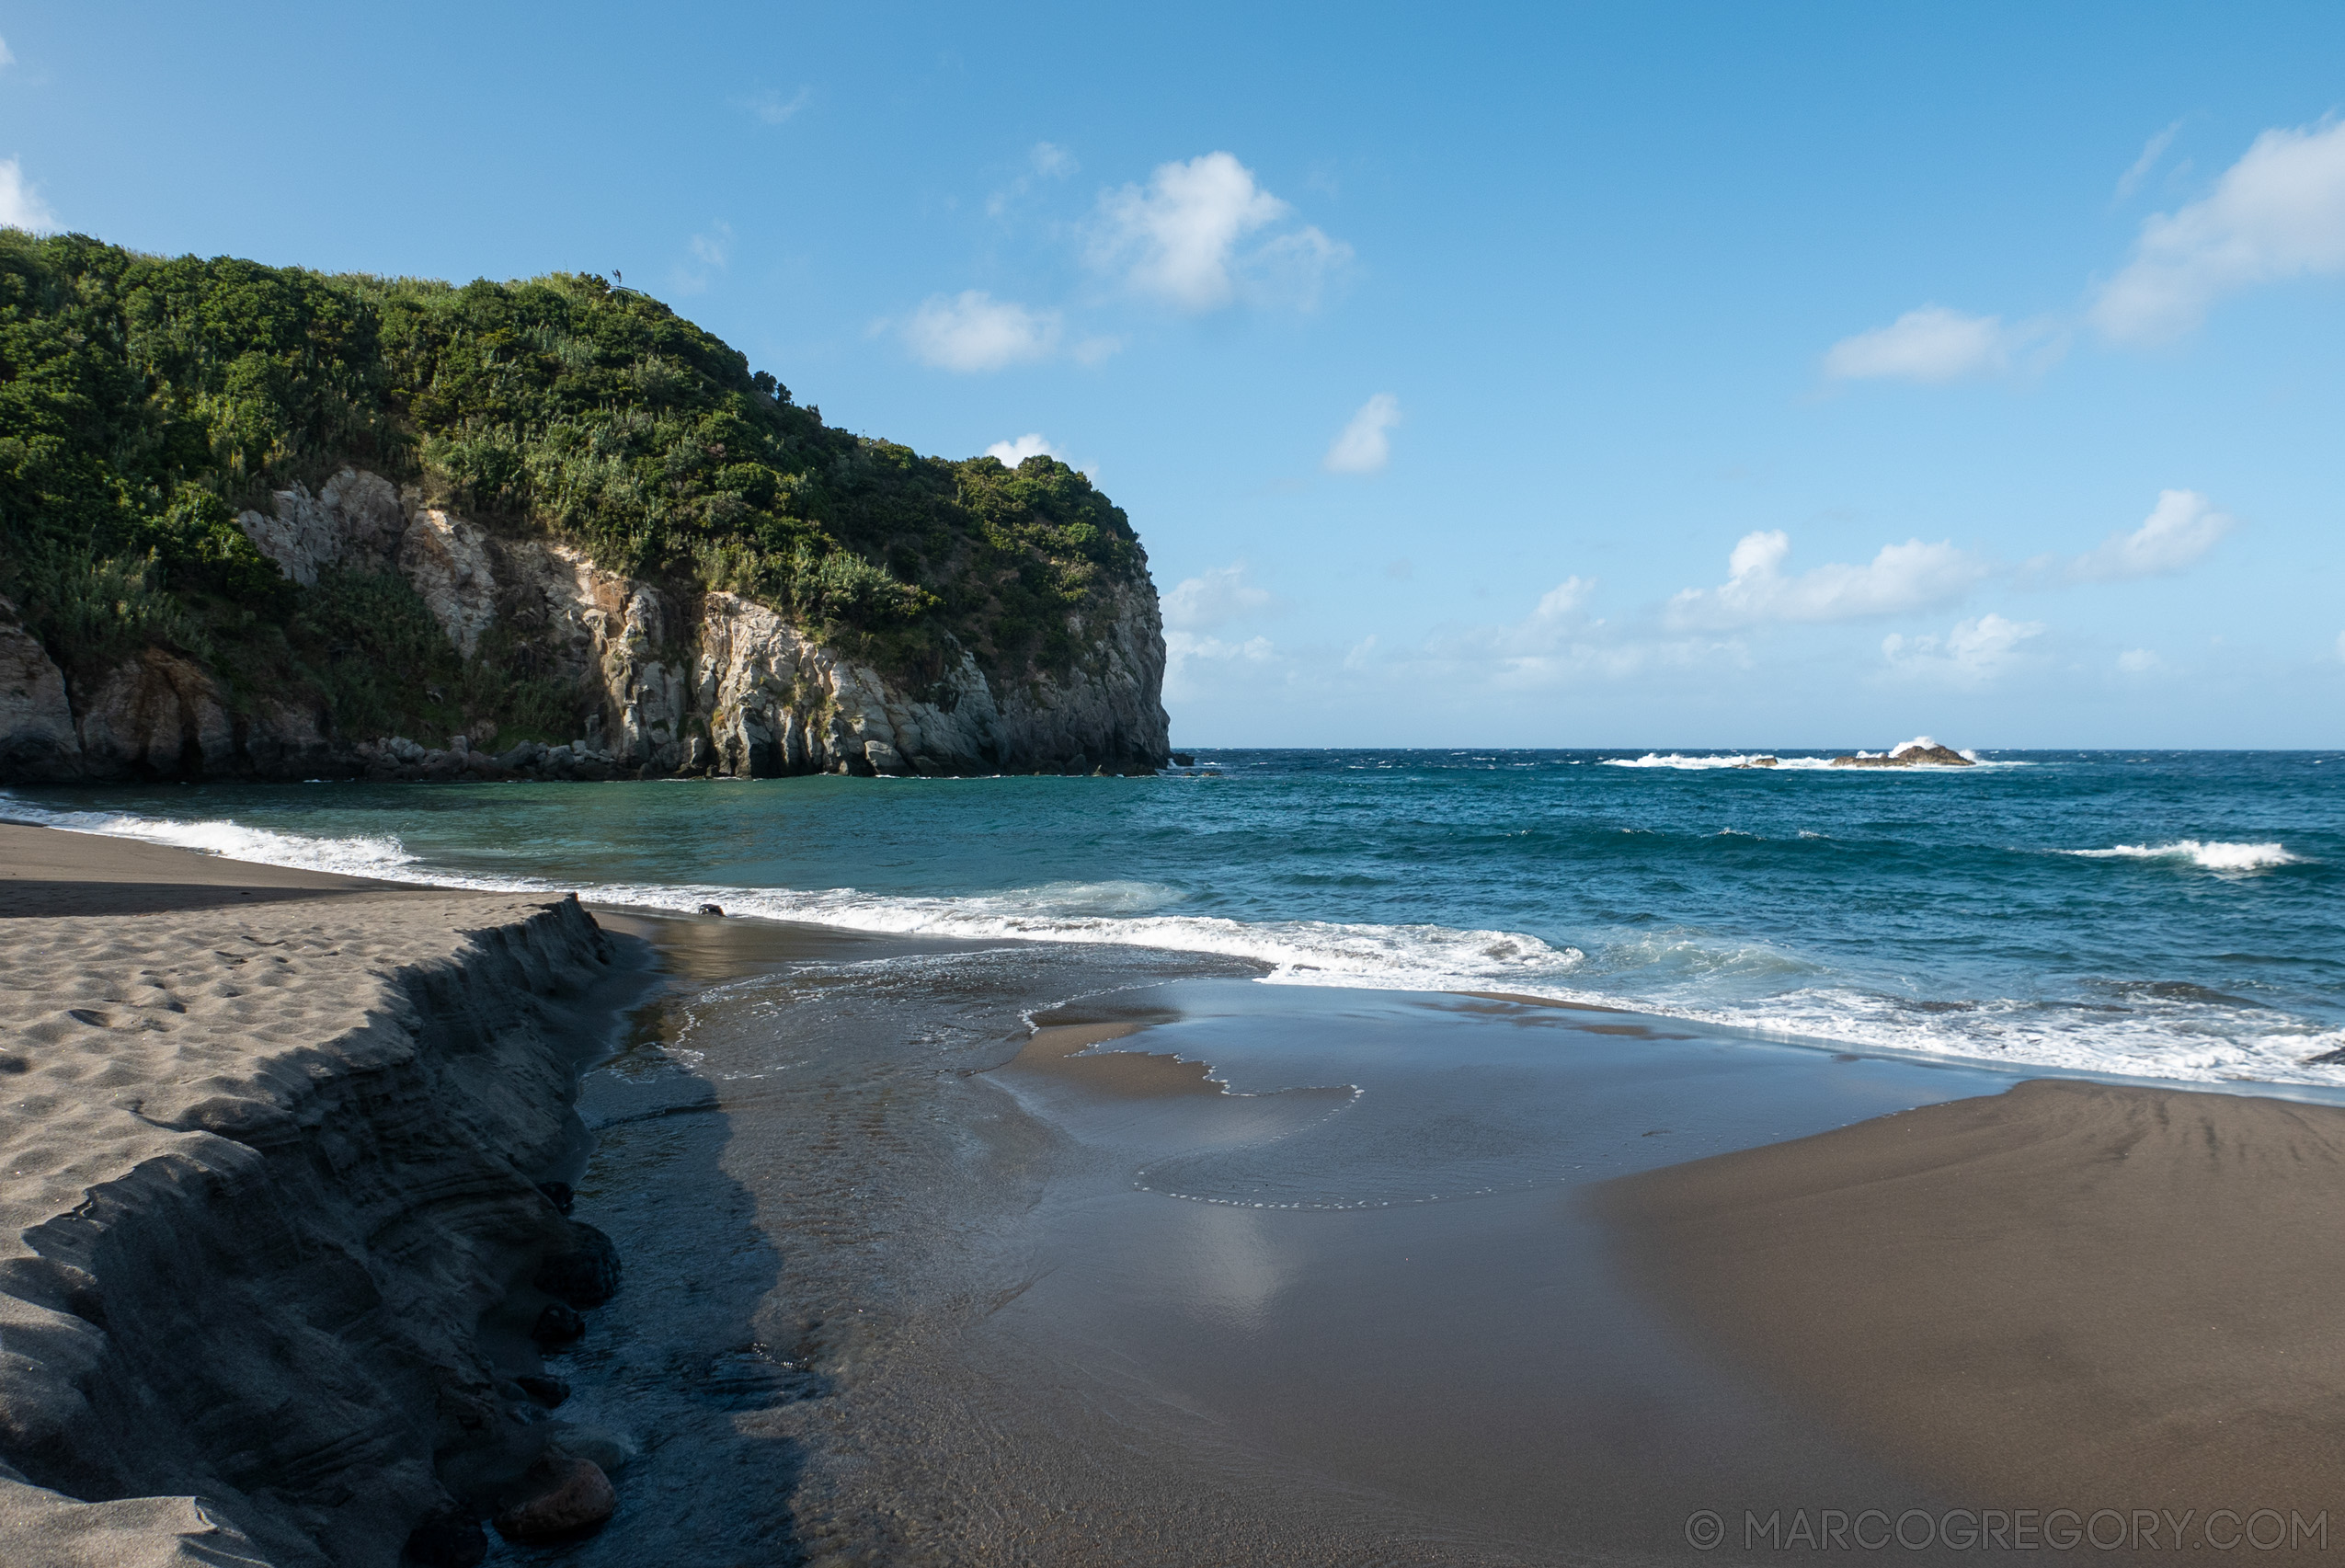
column 2167, row 915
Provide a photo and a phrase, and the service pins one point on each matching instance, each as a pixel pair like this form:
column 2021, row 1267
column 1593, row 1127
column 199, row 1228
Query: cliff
column 256, row 522
column 269, row 1209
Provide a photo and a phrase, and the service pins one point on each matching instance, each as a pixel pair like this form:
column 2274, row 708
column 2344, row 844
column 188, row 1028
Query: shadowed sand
column 2073, row 1294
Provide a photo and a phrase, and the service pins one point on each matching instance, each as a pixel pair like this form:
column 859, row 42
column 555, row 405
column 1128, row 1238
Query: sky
column 1696, row 375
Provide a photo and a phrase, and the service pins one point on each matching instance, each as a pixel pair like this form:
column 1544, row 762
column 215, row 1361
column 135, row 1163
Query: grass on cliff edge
column 145, row 401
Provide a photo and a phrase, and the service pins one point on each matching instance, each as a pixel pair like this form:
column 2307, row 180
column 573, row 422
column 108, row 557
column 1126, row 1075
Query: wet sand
column 2074, row 1295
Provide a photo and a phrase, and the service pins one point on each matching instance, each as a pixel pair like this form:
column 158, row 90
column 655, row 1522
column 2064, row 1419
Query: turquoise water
column 2161, row 914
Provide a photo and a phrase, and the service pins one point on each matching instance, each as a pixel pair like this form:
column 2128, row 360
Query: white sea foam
column 1665, row 974
column 371, row 855
column 1794, row 764
column 1407, row 957
column 1727, row 759
column 2211, row 855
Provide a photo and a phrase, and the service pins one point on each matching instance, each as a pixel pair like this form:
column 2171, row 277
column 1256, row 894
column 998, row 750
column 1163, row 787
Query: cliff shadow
column 671, row 1368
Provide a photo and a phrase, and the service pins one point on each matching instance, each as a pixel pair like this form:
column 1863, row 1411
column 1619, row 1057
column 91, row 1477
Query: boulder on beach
column 1919, row 752
column 586, row 1274
column 561, row 1496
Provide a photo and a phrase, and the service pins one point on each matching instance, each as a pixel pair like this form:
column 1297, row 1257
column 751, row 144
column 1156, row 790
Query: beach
column 960, row 1251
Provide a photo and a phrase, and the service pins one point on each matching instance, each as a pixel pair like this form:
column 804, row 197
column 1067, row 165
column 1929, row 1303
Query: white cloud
column 1213, row 598
column 1011, row 453
column 2183, row 526
column 773, row 108
column 1559, row 644
column 1934, row 344
column 1363, row 447
column 1044, row 160
column 1912, row 575
column 2278, row 212
column 975, row 331
column 2152, row 150
column 20, row 203
column 2139, row 661
column 1971, row 654
column 1178, row 239
column 7, row 55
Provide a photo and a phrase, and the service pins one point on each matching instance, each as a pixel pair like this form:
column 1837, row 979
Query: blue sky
column 1677, row 376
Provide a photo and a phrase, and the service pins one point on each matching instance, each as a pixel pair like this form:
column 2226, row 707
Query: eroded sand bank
column 268, row 1143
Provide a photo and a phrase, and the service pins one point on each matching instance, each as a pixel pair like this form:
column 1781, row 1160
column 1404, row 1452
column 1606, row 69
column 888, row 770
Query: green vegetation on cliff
column 145, row 401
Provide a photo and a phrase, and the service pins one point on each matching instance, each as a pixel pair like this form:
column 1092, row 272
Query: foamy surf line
column 2211, row 856
column 2256, row 1046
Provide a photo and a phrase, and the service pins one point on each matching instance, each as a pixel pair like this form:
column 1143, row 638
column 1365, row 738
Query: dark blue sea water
column 2161, row 914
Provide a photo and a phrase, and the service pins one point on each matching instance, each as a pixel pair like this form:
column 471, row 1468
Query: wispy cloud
column 974, row 331
column 1901, row 577
column 1973, row 654
column 2279, row 213
column 710, row 253
column 1179, row 239
column 20, row 203
column 7, row 55
column 1935, row 344
column 770, row 108
column 1364, row 446
column 1213, row 598
column 2152, row 150
column 1044, row 160
column 2182, row 527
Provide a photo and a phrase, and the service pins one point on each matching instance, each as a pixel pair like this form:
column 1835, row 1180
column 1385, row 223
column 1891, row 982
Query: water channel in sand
column 1013, row 1253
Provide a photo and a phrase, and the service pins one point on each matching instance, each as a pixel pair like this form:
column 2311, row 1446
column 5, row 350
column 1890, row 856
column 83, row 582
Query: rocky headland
column 261, row 523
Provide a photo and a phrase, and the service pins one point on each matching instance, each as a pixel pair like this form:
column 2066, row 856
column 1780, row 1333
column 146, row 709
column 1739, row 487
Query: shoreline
column 948, row 1166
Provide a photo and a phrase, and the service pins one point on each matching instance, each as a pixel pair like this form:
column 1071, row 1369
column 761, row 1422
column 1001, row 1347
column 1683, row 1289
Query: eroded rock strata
column 664, row 682
column 274, row 1232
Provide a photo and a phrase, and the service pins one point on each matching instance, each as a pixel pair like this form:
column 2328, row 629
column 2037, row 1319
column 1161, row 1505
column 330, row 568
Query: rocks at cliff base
column 562, row 1495
column 38, row 741
column 587, row 1274
column 1918, row 752
column 667, row 680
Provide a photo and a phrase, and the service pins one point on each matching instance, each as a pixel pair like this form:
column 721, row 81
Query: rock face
column 1919, row 752
column 705, row 684
column 38, row 741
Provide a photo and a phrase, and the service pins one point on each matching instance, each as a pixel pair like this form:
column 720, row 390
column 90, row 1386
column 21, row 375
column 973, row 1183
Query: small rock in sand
column 711, row 909
column 547, row 1392
column 561, row 1496
column 558, row 1324
column 584, row 1276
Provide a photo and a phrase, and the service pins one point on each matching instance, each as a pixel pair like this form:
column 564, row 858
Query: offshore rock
column 1922, row 753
